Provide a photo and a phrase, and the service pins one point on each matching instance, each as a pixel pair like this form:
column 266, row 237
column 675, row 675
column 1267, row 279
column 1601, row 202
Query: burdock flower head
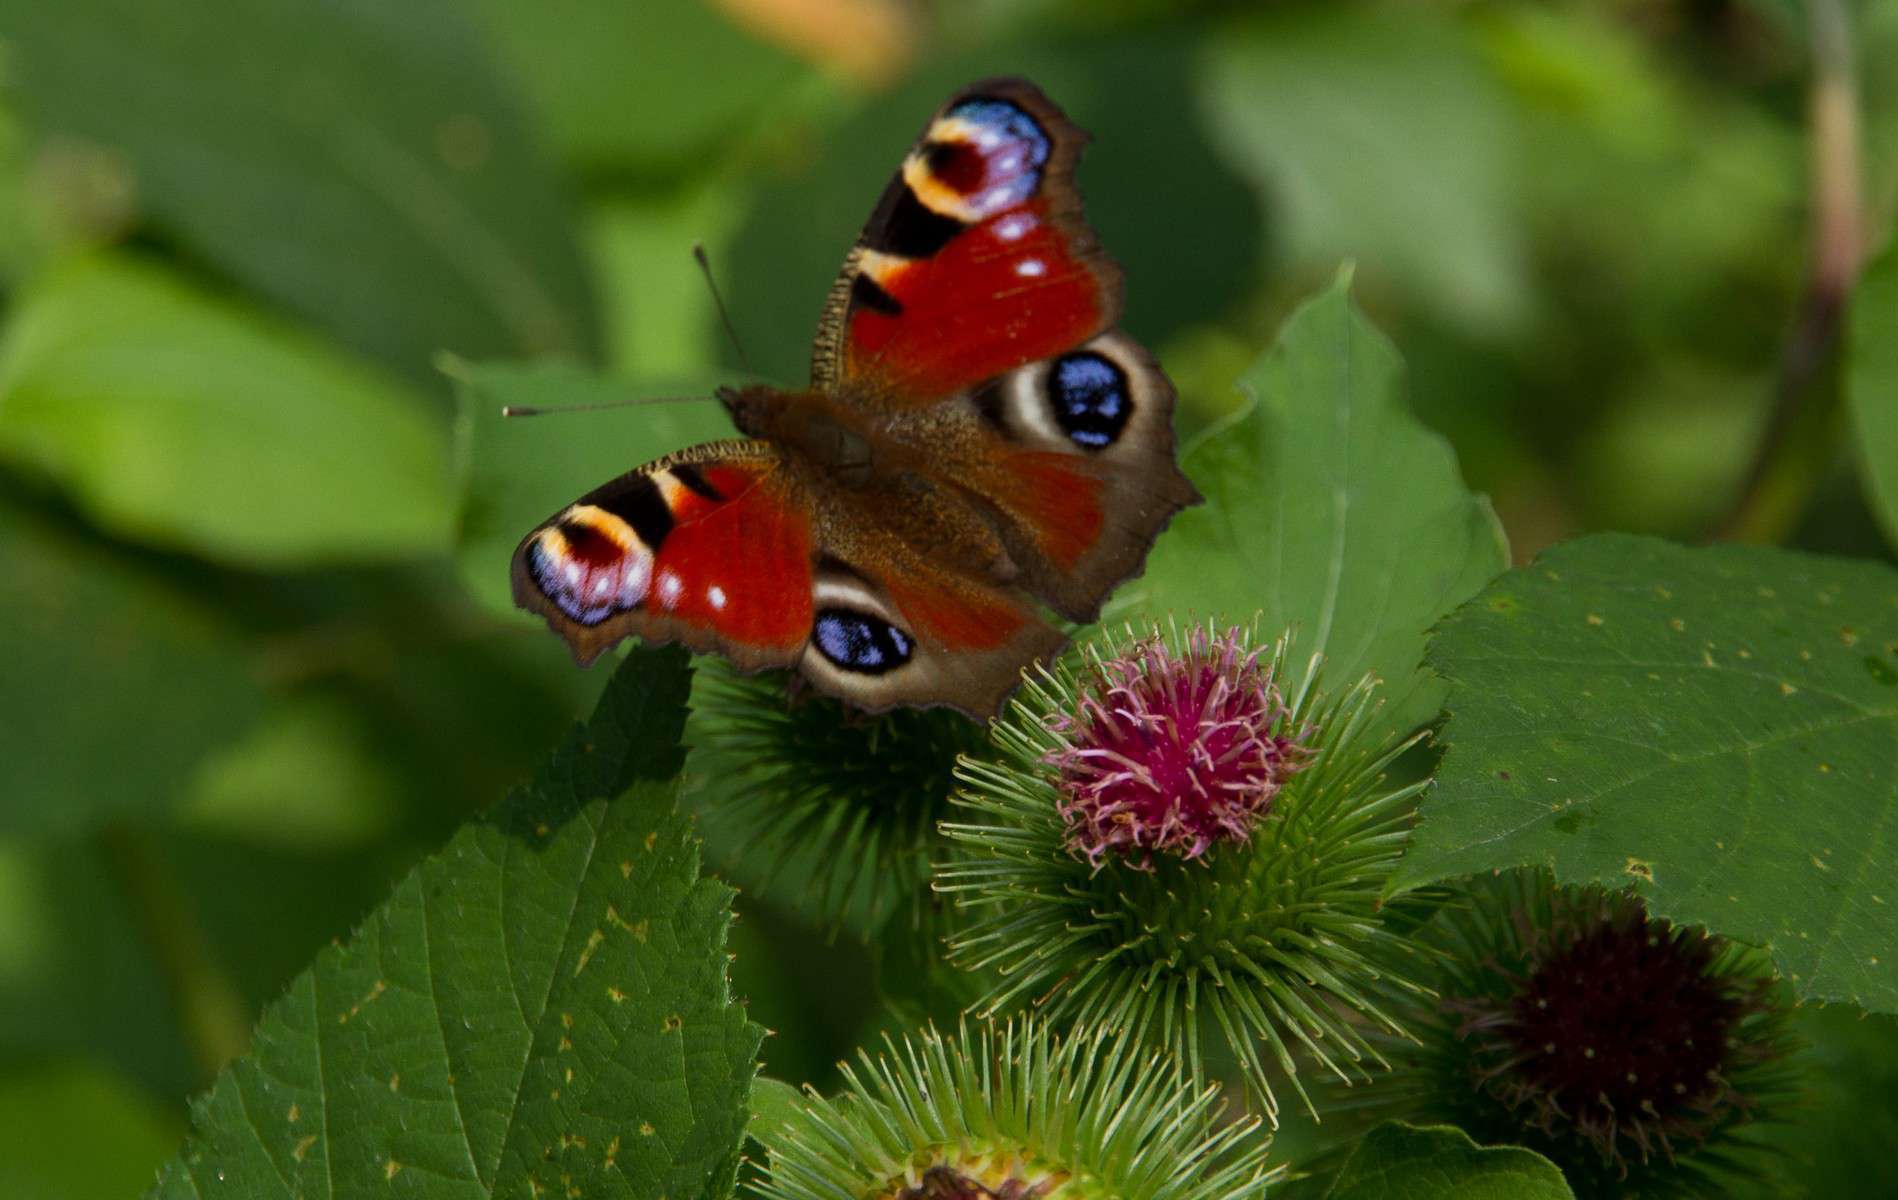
column 829, row 811
column 1012, row 1114
column 1633, row 1052
column 1171, row 750
column 1176, row 834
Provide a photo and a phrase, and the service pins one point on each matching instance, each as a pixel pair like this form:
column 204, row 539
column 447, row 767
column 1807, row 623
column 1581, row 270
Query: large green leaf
column 1872, row 386
column 652, row 86
column 540, row 1008
column 358, row 162
column 1379, row 136
column 1330, row 510
column 1717, row 727
column 1403, row 1162
column 117, row 681
column 516, row 472
column 180, row 419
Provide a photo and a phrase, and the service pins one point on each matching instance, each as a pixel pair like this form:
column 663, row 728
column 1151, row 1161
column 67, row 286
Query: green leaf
column 1872, row 386
column 1439, row 1162
column 358, row 163
column 186, row 421
column 125, row 681
column 1717, row 727
column 78, row 1133
column 542, row 1006
column 653, row 86
column 1846, row 1122
column 517, row 472
column 1331, row 510
column 1348, row 121
column 79, row 980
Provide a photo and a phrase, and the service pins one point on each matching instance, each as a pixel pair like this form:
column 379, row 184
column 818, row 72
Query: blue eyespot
column 1011, row 145
column 1089, row 396
column 855, row 641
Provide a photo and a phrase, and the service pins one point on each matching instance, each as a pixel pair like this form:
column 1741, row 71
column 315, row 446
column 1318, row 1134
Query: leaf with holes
column 1717, row 727
column 1331, row 510
column 1404, row 1162
column 540, row 1009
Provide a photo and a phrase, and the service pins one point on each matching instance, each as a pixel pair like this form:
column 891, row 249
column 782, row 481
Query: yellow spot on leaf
column 395, row 1082
column 617, row 996
column 652, row 839
column 645, row 1128
column 302, row 1147
column 390, row 1168
column 586, row 952
column 294, row 1113
column 369, row 997
column 626, row 869
column 1786, row 689
column 1677, row 625
column 1849, row 636
column 1640, row 870
column 1594, row 619
column 566, row 1020
column 1820, row 863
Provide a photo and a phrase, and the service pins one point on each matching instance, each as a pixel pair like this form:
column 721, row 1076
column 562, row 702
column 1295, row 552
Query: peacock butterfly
column 977, row 442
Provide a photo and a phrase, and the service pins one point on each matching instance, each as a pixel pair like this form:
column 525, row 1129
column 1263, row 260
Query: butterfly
column 979, row 446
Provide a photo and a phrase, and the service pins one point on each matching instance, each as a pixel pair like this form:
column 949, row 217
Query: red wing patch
column 714, row 554
column 1056, row 497
column 955, row 618
column 1001, row 294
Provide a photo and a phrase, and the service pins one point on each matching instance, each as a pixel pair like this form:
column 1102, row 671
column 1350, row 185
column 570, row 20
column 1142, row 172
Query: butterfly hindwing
column 1076, row 453
column 976, row 260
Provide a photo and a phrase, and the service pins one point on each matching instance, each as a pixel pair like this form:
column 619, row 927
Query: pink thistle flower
column 1172, row 750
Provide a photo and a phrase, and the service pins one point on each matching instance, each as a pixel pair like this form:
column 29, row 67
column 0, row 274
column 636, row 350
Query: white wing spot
column 1031, row 267
column 670, row 586
column 716, row 595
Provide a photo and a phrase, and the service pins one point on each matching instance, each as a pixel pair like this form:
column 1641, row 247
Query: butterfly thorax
column 844, row 439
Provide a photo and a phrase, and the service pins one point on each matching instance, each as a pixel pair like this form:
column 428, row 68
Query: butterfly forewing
column 976, row 260
column 711, row 547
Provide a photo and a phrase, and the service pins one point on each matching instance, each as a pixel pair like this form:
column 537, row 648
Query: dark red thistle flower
column 1172, row 750
column 1637, row 1054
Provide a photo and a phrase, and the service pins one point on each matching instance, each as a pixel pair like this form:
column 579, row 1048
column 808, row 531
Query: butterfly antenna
column 535, row 410
column 731, row 331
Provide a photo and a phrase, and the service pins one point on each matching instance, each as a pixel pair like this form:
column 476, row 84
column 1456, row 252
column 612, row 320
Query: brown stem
column 1800, row 431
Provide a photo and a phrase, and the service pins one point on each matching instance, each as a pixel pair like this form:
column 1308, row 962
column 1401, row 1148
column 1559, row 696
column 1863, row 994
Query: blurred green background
column 247, row 673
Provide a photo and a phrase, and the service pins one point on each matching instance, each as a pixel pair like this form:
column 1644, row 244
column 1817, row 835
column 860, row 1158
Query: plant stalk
column 1796, row 445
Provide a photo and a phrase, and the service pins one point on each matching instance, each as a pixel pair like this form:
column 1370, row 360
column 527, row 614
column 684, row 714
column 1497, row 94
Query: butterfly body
column 978, row 443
